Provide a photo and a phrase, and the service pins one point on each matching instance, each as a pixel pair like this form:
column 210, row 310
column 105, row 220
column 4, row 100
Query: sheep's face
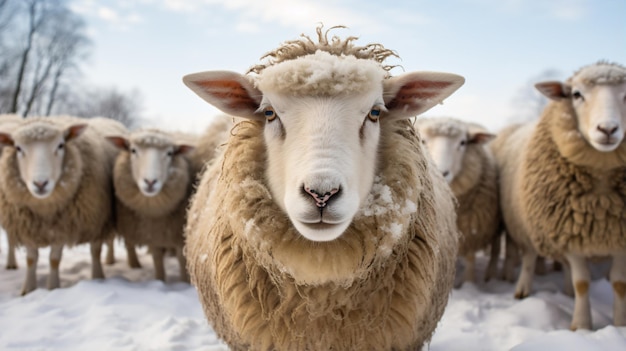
column 40, row 152
column 598, row 95
column 323, row 116
column 151, row 159
column 447, row 141
column 321, row 157
column 601, row 113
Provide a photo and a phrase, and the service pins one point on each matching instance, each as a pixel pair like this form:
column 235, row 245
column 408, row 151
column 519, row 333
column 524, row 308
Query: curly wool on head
column 602, row 72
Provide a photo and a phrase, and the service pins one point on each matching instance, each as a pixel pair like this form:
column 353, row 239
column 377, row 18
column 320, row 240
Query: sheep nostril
column 321, row 198
column 608, row 131
column 41, row 185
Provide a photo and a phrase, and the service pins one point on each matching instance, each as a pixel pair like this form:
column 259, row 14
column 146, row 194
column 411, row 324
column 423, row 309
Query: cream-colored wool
column 7, row 123
column 155, row 221
column 246, row 258
column 210, row 141
column 80, row 208
column 475, row 186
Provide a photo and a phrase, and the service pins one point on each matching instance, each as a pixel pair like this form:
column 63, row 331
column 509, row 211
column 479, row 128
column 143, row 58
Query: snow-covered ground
column 132, row 311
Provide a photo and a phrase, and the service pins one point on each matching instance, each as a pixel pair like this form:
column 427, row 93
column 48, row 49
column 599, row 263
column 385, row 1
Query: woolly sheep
column 300, row 237
column 563, row 182
column 7, row 123
column 152, row 178
column 55, row 188
column 459, row 151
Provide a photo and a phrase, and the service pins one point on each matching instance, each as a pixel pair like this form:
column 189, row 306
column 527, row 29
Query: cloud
column 569, row 10
column 121, row 20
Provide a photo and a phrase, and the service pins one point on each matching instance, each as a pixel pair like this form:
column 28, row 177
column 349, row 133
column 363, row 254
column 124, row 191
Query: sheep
column 321, row 225
column 459, row 151
column 563, row 182
column 152, row 178
column 56, row 188
column 7, row 123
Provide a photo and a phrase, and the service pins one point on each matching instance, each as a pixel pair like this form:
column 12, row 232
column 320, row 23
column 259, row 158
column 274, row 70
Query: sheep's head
column 151, row 157
column 323, row 113
column 40, row 151
column 447, row 140
column 598, row 96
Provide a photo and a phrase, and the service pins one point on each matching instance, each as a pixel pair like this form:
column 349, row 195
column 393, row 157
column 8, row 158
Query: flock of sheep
column 319, row 216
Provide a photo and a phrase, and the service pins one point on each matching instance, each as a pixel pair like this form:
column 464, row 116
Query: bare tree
column 528, row 102
column 110, row 102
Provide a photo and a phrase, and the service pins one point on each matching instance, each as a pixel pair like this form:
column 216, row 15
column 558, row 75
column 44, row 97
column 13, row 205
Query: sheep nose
column 150, row 183
column 608, row 128
column 41, row 186
column 321, row 198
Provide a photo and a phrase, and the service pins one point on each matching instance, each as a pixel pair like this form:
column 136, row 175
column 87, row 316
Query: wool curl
column 602, row 72
column 336, row 46
column 382, row 285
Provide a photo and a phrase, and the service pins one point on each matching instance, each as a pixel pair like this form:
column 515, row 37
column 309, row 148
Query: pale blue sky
column 498, row 45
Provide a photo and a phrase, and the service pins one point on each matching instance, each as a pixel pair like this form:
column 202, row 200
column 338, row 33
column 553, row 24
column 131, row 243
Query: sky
column 501, row 47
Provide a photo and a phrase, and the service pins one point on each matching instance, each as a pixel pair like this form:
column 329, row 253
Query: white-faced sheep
column 322, row 224
column 7, row 124
column 563, row 182
column 459, row 151
column 153, row 181
column 56, row 189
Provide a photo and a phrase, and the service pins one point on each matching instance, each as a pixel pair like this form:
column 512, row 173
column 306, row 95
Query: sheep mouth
column 319, row 226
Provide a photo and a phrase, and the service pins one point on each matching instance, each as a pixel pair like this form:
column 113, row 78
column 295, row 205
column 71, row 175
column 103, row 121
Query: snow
column 132, row 311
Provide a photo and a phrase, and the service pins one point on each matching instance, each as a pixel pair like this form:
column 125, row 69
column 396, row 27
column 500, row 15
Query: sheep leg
column 182, row 262
column 157, row 258
column 56, row 252
column 30, row 284
column 494, row 257
column 511, row 254
column 96, row 264
column 11, row 260
column 540, row 266
column 131, row 254
column 580, row 277
column 470, row 267
column 568, row 286
column 525, row 279
column 618, row 280
column 110, row 255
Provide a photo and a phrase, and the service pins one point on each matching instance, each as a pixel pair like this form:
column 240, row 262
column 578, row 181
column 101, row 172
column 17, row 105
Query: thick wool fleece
column 209, row 142
column 573, row 195
column 475, row 187
column 382, row 285
column 158, row 220
column 80, row 208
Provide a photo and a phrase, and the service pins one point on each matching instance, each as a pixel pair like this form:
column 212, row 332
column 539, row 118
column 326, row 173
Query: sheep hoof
column 11, row 266
column 521, row 295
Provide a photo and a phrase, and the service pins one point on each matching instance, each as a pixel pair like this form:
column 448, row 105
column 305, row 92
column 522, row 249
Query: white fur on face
column 601, row 111
column 319, row 146
column 150, row 167
column 447, row 153
column 41, row 164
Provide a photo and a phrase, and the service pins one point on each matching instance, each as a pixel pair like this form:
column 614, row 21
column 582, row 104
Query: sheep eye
column 18, row 149
column 374, row 114
column 133, row 151
column 270, row 114
column 463, row 142
column 61, row 146
column 170, row 153
column 577, row 95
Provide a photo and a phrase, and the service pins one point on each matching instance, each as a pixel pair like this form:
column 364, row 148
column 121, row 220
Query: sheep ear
column 119, row 141
column 481, row 137
column 230, row 92
column 74, row 131
column 6, row 140
column 414, row 93
column 554, row 90
column 183, row 149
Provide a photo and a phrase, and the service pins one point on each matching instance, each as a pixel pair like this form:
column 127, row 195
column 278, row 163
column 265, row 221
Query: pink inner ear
column 411, row 93
column 231, row 93
column 5, row 139
column 119, row 142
